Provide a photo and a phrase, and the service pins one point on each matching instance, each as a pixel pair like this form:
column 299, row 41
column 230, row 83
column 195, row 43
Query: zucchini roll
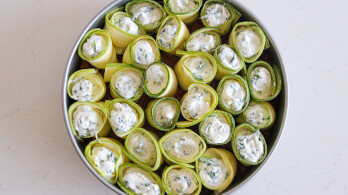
column 219, row 14
column 228, row 61
column 264, row 81
column 197, row 103
column 97, row 49
column 147, row 14
column 258, row 114
column 186, row 10
column 249, row 40
column 124, row 116
column 193, row 67
column 216, row 128
column 163, row 113
column 86, row 85
column 248, row 144
column 172, row 34
column 88, row 119
column 106, row 155
column 134, row 180
column 141, row 52
column 233, row 94
column 159, row 80
column 179, row 179
column 216, row 169
column 122, row 29
column 182, row 146
column 204, row 39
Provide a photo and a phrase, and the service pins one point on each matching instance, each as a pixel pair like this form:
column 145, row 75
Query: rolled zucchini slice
column 97, row 49
column 86, row 85
column 182, row 146
column 141, row 52
column 124, row 116
column 205, row 39
column 216, row 128
column 216, row 169
column 249, row 40
column 122, row 29
column 258, row 114
column 233, row 94
column 179, row 179
column 199, row 67
column 106, row 155
column 172, row 34
column 147, row 14
column 163, row 113
column 264, row 81
column 134, row 180
column 228, row 61
column 219, row 14
column 248, row 144
column 186, row 10
column 142, row 147
column 159, row 80
column 88, row 119
column 197, row 103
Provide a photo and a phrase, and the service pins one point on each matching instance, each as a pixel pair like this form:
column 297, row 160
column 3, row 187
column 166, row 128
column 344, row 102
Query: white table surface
column 36, row 154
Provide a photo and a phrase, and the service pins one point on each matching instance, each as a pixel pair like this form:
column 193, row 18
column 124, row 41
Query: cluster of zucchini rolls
column 178, row 127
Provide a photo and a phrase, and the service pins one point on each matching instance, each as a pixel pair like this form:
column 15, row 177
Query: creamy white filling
column 140, row 182
column 142, row 148
column 83, row 89
column 128, row 83
column 261, row 82
column 126, row 24
column 181, row 6
column 201, row 42
column 93, row 46
column 104, row 160
column 197, row 103
column 256, row 115
column 143, row 53
column 167, row 34
column 250, row 147
column 181, row 181
column 233, row 95
column 248, row 43
column 146, row 13
column 213, row 172
column 216, row 14
column 123, row 117
column 156, row 78
column 229, row 58
column 216, row 129
column 87, row 121
column 200, row 67
column 165, row 112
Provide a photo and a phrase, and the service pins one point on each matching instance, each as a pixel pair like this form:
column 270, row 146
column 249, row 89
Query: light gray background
column 36, row 154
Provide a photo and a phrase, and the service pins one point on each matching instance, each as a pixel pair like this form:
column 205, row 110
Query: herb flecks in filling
column 143, row 148
column 143, row 53
column 87, row 120
column 125, row 23
column 128, row 83
column 229, row 58
column 167, row 34
column 123, row 117
column 83, row 89
column 216, row 14
column 200, row 67
column 204, row 42
column 182, row 6
column 197, row 103
column 156, row 77
column 104, row 160
column 248, row 43
column 140, row 182
column 256, row 115
column 165, row 113
column 146, row 13
column 233, row 95
column 213, row 172
column 93, row 46
column 250, row 147
column 181, row 181
column 261, row 82
column 216, row 129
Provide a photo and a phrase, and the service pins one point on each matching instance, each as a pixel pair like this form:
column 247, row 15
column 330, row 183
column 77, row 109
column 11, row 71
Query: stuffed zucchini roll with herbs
column 142, row 147
column 228, row 61
column 264, row 81
column 186, row 10
column 86, row 85
column 216, row 128
column 159, row 80
column 141, row 52
column 88, row 119
column 249, row 40
column 172, row 34
column 258, row 114
column 124, row 116
column 106, row 155
column 233, row 94
column 97, row 49
column 182, row 146
column 204, row 39
column 197, row 103
column 199, row 67
column 248, row 144
column 216, row 169
column 179, row 179
column 134, row 180
column 122, row 29
column 219, row 14
column 163, row 113
column 147, row 14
